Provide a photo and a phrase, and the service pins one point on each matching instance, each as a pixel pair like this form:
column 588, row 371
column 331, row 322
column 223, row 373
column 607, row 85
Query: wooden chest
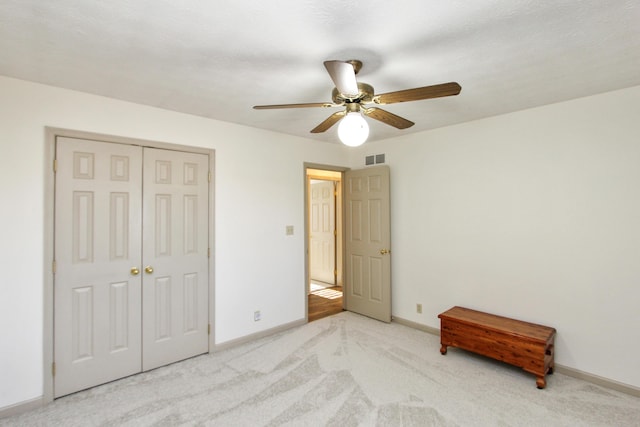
column 518, row 343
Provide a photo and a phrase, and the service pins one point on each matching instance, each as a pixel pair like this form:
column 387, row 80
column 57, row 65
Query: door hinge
column 335, row 232
column 53, row 267
column 208, row 252
column 53, row 369
column 209, row 176
column 209, row 329
column 55, row 165
column 335, row 273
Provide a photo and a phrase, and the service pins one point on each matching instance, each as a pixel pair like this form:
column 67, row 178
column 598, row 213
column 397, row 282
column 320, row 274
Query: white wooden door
column 322, row 237
column 97, row 293
column 368, row 242
column 175, row 256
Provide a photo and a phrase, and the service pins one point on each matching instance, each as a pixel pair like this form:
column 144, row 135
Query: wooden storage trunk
column 518, row 343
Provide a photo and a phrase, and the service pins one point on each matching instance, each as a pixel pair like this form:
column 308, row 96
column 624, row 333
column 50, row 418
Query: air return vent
column 374, row 159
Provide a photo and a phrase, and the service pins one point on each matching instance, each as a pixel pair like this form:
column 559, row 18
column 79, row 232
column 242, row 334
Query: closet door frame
column 51, row 134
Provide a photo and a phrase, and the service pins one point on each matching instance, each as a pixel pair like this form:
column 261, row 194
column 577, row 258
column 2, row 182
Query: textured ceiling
column 219, row 58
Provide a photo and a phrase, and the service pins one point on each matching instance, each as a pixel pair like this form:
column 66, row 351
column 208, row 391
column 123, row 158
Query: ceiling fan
column 357, row 96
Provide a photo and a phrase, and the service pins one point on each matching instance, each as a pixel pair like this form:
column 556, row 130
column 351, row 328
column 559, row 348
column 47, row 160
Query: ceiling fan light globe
column 353, row 129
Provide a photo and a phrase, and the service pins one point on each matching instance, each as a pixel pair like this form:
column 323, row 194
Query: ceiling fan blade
column 330, row 121
column 344, row 77
column 309, row 105
column 426, row 92
column 387, row 118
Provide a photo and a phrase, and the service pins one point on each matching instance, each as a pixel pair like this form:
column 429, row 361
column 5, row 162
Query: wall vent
column 374, row 159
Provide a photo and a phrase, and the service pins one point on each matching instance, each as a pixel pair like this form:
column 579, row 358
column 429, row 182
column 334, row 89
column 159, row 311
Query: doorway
column 362, row 244
column 323, row 207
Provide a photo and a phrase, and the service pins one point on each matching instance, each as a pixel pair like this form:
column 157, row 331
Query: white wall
column 533, row 215
column 259, row 184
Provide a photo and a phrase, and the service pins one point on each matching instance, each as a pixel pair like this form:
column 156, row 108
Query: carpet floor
column 343, row 370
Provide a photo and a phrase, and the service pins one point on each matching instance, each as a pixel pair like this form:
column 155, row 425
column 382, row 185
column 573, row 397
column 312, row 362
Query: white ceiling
column 219, row 58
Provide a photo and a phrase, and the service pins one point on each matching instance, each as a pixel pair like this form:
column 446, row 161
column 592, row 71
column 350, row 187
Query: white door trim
column 48, row 236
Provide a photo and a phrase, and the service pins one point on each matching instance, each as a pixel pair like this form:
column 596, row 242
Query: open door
column 368, row 242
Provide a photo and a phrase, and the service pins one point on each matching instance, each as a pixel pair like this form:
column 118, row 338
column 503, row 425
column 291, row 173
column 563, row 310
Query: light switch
column 289, row 230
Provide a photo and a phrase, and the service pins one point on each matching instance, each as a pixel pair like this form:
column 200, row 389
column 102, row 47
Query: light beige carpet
column 345, row 370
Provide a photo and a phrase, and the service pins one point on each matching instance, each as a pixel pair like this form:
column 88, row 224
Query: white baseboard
column 22, row 407
column 565, row 370
column 595, row 379
column 415, row 325
column 248, row 338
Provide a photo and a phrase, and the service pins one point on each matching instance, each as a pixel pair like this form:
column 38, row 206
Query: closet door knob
column 135, row 271
column 148, row 269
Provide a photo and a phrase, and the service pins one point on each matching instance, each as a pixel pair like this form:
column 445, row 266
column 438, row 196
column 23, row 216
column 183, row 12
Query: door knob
column 148, row 269
column 134, row 271
column 385, row 251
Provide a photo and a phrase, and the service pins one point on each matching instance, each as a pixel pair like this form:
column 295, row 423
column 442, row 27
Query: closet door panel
column 98, row 235
column 175, row 256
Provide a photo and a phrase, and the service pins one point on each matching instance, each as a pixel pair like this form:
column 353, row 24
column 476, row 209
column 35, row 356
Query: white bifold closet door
column 131, row 282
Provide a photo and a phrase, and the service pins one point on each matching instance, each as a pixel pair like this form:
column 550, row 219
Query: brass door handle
column 148, row 269
column 385, row 251
column 135, row 271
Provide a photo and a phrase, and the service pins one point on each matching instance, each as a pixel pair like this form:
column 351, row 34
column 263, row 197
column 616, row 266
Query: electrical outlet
column 419, row 308
column 256, row 315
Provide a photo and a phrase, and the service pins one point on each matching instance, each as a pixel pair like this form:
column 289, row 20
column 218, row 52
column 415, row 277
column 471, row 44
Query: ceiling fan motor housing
column 365, row 95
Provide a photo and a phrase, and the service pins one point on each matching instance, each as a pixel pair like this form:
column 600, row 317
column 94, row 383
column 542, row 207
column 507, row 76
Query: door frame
column 49, row 232
column 339, row 212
